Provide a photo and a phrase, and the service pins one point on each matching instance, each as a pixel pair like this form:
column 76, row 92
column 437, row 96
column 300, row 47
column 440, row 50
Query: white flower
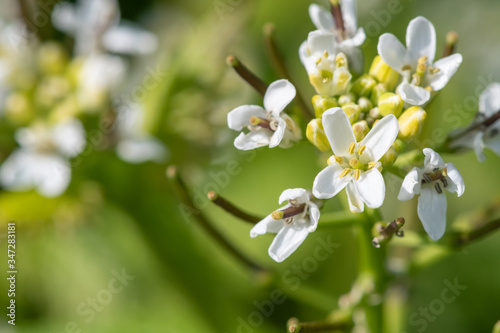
column 421, row 75
column 96, row 26
column 292, row 223
column 483, row 134
column 134, row 145
column 267, row 126
column 429, row 182
column 41, row 162
column 355, row 165
column 327, row 70
column 350, row 41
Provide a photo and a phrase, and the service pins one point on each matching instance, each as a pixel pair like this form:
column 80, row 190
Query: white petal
column 22, row 171
column 240, row 116
column 356, row 40
column 413, row 95
column 349, row 15
column 314, row 213
column 489, row 101
column 128, row 38
column 432, row 212
column 448, row 67
column 278, row 134
column 494, row 144
column 286, row 242
column 327, row 183
column 64, row 17
column 478, row 145
column 432, row 160
column 278, row 95
column 355, row 58
column 140, row 150
column 321, row 18
column 381, row 137
column 371, row 188
column 392, row 52
column 455, row 176
column 338, row 130
column 306, row 58
column 69, row 137
column 253, row 140
column 421, row 40
column 54, row 176
column 267, row 225
column 356, row 204
column 320, row 41
column 411, row 184
column 299, row 194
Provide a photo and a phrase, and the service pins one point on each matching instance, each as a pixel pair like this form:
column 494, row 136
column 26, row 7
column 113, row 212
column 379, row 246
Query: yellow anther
column 422, row 60
column 406, row 68
column 325, row 54
column 351, row 148
column 340, row 61
column 428, row 88
column 434, row 70
column 372, row 164
column 339, row 159
column 345, row 173
column 361, row 150
column 318, row 61
column 356, row 174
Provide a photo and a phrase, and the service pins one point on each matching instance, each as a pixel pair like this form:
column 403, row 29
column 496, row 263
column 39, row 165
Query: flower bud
column 348, row 98
column 52, row 58
column 322, row 103
column 378, row 91
column 390, row 156
column 316, row 135
column 18, row 109
column 365, row 104
column 364, row 85
column 390, row 103
column 360, row 130
column 383, row 73
column 352, row 111
column 411, row 123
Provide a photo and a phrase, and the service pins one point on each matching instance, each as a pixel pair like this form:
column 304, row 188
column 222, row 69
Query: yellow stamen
column 444, row 172
column 356, row 174
column 318, row 61
column 434, row 70
column 428, row 88
column 372, row 164
column 277, row 214
column 351, row 148
column 361, row 150
column 345, row 173
column 325, row 54
column 406, row 68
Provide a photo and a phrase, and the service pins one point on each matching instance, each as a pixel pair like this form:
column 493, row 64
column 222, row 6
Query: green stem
column 463, row 239
column 247, row 75
column 186, row 198
column 371, row 261
column 231, row 208
column 280, row 67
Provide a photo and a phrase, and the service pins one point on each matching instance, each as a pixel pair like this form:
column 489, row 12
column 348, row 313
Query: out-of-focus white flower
column 327, row 69
column 134, row 145
column 484, row 132
column 429, row 182
column 421, row 75
column 355, row 166
column 350, row 40
column 96, row 26
column 292, row 223
column 268, row 126
column 41, row 161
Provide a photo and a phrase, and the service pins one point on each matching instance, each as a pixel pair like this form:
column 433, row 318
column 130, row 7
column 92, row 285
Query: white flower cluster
column 366, row 124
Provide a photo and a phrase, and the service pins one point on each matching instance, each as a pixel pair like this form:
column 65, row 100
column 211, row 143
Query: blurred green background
column 117, row 216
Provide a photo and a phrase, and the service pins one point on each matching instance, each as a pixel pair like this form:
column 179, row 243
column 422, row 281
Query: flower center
column 417, row 77
column 288, row 215
column 436, row 178
column 352, row 163
column 270, row 123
